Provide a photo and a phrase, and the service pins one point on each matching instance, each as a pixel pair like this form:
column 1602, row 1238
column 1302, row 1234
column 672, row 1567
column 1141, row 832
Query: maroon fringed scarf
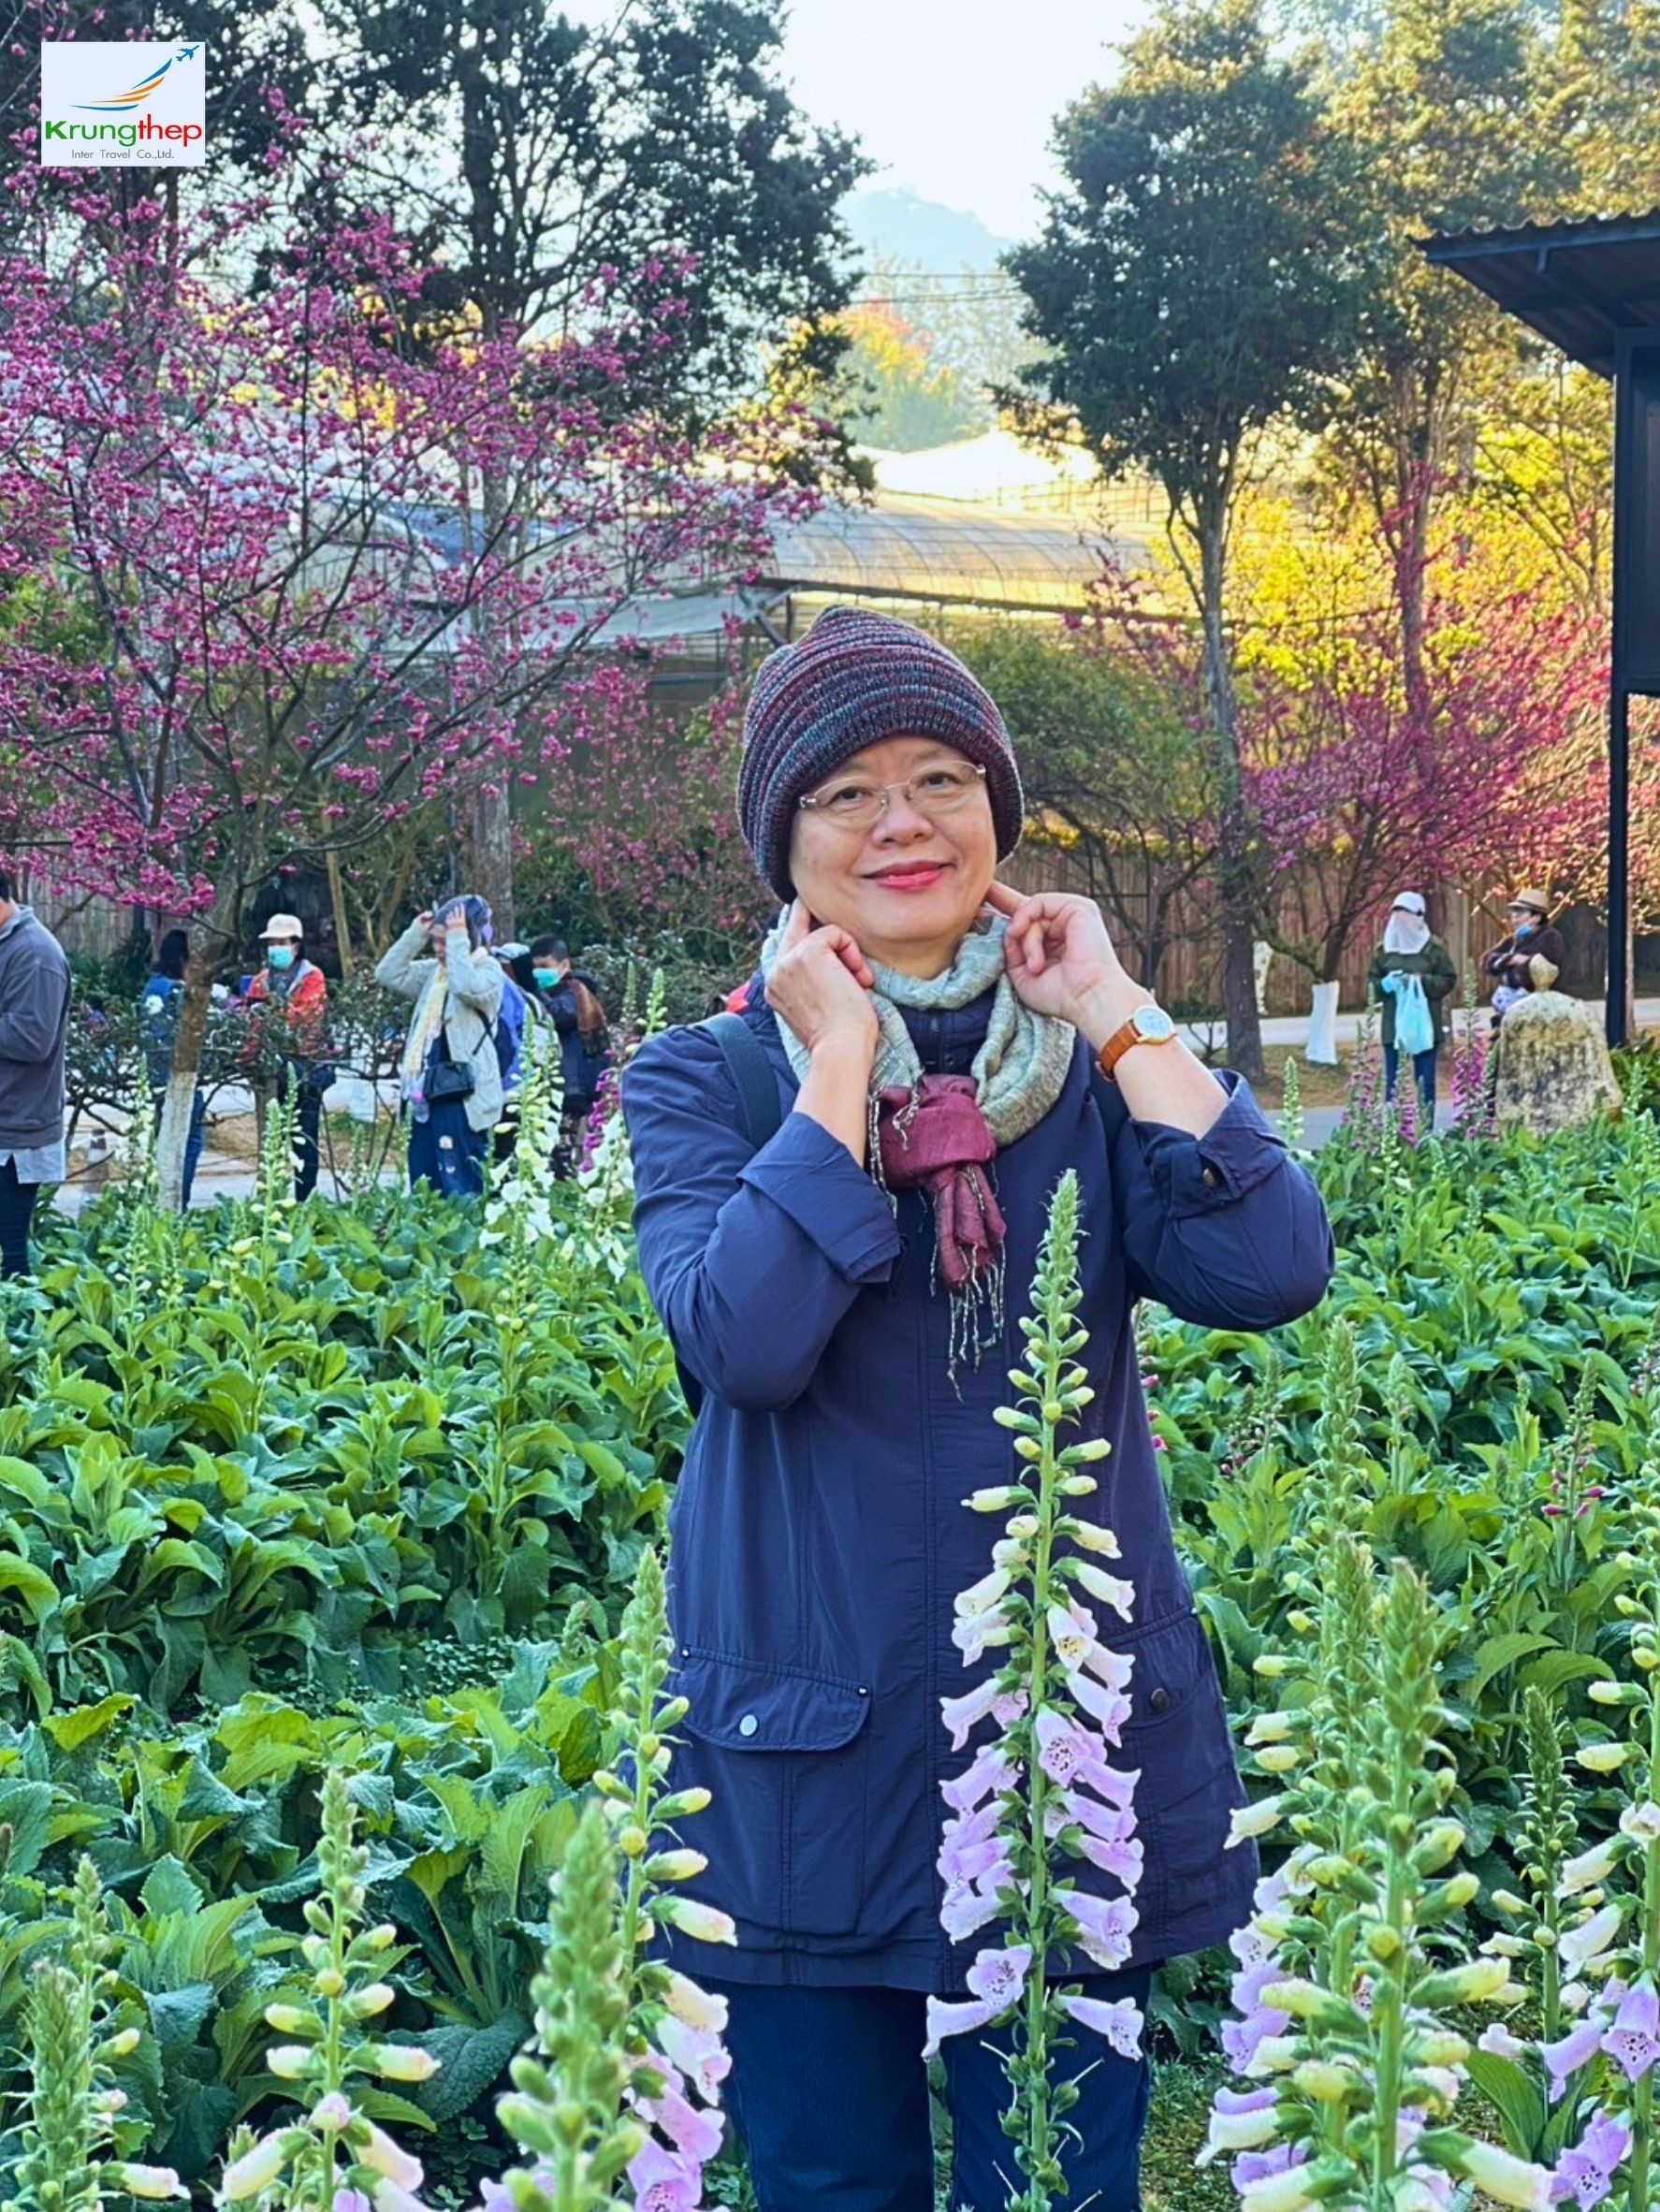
column 934, row 1137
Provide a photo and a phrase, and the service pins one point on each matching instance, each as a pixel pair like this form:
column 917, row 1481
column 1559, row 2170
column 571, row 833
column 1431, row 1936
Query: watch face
column 1154, row 1025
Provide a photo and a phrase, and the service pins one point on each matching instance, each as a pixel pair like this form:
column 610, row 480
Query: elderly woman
column 1530, row 958
column 939, row 1052
column 451, row 1073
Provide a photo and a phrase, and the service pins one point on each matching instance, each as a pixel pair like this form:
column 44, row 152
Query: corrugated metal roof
column 1576, row 284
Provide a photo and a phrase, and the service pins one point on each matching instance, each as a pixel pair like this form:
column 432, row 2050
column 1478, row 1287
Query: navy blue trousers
column 830, row 2095
column 447, row 1152
column 1423, row 1067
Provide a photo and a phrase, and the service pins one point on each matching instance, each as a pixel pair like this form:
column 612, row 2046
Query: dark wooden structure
column 1593, row 289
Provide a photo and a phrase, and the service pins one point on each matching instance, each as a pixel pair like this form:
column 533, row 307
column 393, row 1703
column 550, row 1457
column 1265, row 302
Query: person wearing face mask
column 451, row 1072
column 291, row 1057
column 1530, row 958
column 1412, row 977
column 839, row 1200
column 572, row 1004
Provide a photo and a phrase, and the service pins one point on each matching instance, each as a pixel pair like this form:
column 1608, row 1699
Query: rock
column 1553, row 1070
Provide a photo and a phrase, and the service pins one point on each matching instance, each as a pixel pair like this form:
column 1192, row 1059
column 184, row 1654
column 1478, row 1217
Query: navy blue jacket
column 818, row 1534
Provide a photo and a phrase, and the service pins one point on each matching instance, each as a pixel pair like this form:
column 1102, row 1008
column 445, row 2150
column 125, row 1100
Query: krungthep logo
column 105, row 101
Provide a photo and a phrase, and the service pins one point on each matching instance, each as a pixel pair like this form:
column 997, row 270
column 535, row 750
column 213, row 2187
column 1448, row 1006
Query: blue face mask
column 545, row 978
column 279, row 956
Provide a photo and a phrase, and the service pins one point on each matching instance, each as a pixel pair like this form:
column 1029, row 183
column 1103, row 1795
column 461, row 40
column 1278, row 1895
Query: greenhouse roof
column 943, row 552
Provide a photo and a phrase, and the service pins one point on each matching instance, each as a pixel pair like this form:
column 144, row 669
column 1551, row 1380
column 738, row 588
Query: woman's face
column 907, row 886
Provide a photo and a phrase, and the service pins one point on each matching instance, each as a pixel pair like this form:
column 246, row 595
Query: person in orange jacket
column 289, row 981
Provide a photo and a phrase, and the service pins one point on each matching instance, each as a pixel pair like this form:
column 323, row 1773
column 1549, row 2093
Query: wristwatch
column 1148, row 1024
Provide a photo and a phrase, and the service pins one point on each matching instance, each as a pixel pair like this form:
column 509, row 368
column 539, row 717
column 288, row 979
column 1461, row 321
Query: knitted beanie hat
column 856, row 680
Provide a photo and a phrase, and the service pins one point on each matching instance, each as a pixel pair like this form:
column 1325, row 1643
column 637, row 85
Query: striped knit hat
column 853, row 681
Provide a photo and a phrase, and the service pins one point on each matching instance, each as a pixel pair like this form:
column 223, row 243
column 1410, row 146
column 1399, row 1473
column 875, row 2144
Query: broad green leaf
column 70, row 1730
column 471, row 2061
column 1497, row 1653
column 1519, row 2102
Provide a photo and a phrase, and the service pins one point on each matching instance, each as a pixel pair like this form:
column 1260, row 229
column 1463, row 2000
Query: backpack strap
column 751, row 1072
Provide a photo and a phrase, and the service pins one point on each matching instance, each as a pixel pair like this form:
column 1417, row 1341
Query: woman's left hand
column 1061, row 960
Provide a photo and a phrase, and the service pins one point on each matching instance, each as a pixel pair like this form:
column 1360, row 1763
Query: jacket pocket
column 1177, row 1736
column 787, row 1756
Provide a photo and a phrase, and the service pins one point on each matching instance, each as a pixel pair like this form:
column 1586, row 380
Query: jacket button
column 1159, row 1700
column 1209, row 1178
column 748, row 1724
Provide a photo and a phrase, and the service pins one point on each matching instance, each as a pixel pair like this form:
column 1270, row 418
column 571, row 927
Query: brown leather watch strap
column 1126, row 1038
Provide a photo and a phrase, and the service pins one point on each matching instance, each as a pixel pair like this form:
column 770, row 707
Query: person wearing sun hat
column 843, row 1279
column 291, row 1056
column 1410, row 950
column 1530, row 958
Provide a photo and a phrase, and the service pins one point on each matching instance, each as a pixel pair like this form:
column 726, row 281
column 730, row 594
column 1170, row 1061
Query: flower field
column 317, row 1530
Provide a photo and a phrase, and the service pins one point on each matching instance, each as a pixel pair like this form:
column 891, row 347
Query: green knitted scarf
column 1020, row 1068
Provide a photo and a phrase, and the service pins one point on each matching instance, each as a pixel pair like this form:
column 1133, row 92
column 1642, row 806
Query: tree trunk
column 490, row 861
column 178, row 1101
column 490, row 815
column 1412, row 561
column 1235, row 869
column 336, row 901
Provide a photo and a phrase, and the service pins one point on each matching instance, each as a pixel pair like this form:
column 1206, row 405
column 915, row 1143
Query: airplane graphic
column 139, row 93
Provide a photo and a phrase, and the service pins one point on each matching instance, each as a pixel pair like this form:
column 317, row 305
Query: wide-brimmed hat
column 1534, row 901
column 281, row 926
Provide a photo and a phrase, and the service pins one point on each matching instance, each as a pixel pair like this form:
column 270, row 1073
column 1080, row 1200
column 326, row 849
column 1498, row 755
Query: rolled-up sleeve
column 1226, row 1230
column 751, row 1257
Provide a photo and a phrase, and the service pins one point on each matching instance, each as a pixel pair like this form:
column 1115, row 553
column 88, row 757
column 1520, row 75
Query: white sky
column 954, row 98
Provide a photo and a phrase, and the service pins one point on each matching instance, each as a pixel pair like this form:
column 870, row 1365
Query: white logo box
column 109, row 103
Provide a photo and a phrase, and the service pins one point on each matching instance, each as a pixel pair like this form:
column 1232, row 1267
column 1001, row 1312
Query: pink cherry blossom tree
column 1358, row 790
column 258, row 511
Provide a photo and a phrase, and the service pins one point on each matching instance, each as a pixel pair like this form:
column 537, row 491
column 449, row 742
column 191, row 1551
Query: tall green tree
column 1192, row 286
column 1440, row 127
column 530, row 157
column 527, row 153
column 1110, row 722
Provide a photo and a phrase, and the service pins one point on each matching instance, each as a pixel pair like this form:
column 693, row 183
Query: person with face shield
column 450, row 1076
column 288, row 1053
column 1412, row 978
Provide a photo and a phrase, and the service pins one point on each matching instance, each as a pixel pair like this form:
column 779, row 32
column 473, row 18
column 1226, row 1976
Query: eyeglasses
column 855, row 805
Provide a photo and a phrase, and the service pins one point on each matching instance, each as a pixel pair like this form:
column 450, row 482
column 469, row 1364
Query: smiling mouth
column 911, row 872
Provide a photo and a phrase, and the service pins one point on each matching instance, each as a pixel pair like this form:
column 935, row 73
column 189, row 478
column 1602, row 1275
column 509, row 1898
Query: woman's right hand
column 821, row 984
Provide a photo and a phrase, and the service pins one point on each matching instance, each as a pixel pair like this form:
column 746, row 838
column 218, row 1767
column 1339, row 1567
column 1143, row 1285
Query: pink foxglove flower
column 691, row 2130
column 969, row 1906
column 1042, row 1810
column 1110, row 1707
column 996, row 1981
column 1120, row 2021
column 963, row 1715
column 992, row 1769
column 697, row 2053
column 664, row 2180
column 1586, row 2173
column 1105, row 1926
column 1633, row 2041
